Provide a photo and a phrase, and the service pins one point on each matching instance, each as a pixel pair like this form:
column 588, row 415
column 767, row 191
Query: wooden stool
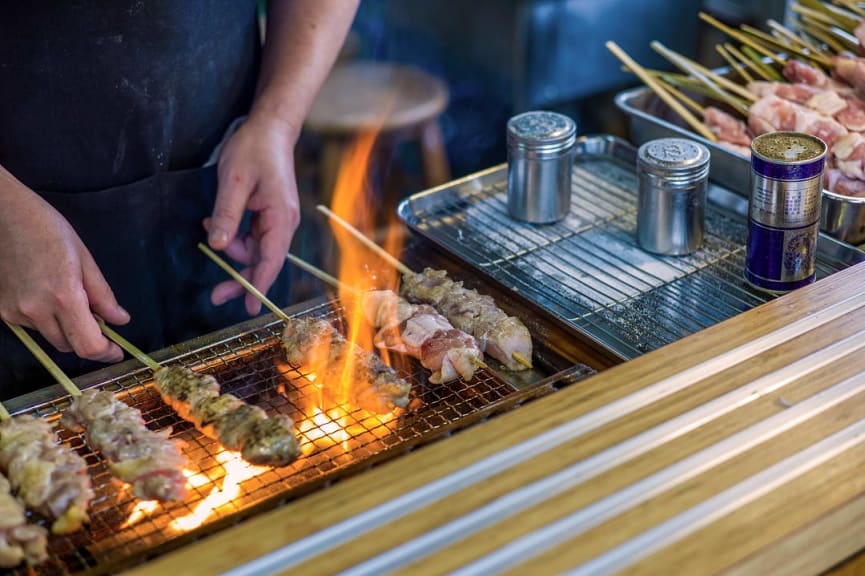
column 359, row 97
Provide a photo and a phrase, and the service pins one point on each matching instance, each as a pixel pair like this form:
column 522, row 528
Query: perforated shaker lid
column 541, row 129
column 676, row 158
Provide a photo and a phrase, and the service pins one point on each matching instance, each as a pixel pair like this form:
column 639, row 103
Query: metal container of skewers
column 842, row 217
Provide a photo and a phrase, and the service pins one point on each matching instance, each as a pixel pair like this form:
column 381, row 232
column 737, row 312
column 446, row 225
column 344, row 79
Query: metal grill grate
column 252, row 367
column 588, row 269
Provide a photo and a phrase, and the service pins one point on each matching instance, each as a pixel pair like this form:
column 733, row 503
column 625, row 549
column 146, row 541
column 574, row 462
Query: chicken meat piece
column 150, row 461
column 726, row 127
column 501, row 336
column 49, row 478
column 260, row 439
column 19, row 541
column 314, row 346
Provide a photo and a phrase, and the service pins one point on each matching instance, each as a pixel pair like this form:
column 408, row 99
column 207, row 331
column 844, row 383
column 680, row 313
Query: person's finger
column 99, row 294
column 273, row 250
column 229, row 290
column 50, row 330
column 233, row 192
column 83, row 333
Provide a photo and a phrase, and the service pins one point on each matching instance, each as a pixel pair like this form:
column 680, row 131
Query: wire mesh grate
column 252, row 367
column 588, row 269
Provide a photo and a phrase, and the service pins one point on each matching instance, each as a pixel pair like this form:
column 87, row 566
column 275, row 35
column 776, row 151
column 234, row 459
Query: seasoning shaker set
column 784, row 207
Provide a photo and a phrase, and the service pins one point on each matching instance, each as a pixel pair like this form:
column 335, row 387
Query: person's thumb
column 99, row 293
column 231, row 198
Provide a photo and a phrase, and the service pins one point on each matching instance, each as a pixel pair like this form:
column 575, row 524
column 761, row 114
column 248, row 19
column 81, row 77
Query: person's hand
column 48, row 279
column 256, row 173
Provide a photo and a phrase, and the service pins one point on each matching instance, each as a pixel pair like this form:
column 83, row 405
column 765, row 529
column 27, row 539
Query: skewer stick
column 128, row 346
column 321, row 274
column 403, row 269
column 743, row 38
column 759, row 34
column 339, row 284
column 399, row 265
column 758, row 62
column 45, row 360
column 795, row 38
column 702, row 73
column 843, row 19
column 747, row 62
column 822, row 33
column 686, row 100
column 734, row 64
column 522, row 359
column 245, row 283
column 852, row 6
column 649, row 81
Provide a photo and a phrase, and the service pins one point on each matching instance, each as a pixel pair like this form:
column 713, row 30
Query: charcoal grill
column 248, row 361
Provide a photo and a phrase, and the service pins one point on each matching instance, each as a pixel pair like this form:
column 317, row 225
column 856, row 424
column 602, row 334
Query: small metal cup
column 540, row 166
column 673, row 174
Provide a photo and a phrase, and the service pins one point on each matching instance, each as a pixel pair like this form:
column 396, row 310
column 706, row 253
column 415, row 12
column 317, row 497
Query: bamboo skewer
column 647, row 79
column 771, row 73
column 748, row 62
column 128, row 346
column 796, row 39
column 734, row 64
column 683, row 98
column 403, row 269
column 787, row 47
column 823, row 33
column 340, row 285
column 743, row 38
column 694, row 68
column 852, row 6
column 399, row 265
column 245, row 283
column 45, row 360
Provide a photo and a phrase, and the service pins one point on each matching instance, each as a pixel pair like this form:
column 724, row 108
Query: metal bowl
column 843, row 217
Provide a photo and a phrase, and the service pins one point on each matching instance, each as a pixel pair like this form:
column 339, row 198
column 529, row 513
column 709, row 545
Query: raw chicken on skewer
column 261, row 439
column 19, row 541
column 414, row 329
column 315, row 346
column 149, row 461
column 503, row 337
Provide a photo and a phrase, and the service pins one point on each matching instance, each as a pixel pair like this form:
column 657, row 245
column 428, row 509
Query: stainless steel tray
column 842, row 217
column 588, row 269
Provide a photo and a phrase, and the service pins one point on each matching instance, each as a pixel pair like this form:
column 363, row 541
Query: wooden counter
column 738, row 449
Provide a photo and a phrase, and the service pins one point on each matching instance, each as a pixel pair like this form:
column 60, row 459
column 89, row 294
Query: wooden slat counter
column 738, row 449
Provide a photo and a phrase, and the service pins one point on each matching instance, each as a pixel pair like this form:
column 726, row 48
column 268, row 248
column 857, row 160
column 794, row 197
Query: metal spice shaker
column 673, row 174
column 540, row 166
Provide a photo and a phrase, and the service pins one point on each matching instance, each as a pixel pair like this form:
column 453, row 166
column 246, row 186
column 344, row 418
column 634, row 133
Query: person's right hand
column 48, row 279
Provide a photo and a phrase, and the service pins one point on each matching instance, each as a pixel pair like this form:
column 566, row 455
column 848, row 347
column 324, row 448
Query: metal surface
column 671, row 209
column 842, row 217
column 588, row 269
column 250, row 364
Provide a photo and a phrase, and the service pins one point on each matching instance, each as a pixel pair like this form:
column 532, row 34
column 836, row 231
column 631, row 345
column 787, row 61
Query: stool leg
column 433, row 154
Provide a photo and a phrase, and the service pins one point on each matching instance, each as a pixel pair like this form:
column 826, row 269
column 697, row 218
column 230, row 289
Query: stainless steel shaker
column 673, row 174
column 540, row 166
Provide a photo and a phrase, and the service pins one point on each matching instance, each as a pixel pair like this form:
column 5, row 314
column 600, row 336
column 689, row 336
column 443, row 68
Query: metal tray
column 842, row 217
column 587, row 269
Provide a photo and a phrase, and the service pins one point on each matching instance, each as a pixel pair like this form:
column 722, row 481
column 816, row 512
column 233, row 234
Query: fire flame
column 236, row 470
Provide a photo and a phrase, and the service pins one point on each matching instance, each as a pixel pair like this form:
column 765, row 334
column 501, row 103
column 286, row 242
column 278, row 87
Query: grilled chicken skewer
column 48, row 478
column 149, row 461
column 503, row 337
column 19, row 541
column 417, row 330
column 315, row 346
column 261, row 439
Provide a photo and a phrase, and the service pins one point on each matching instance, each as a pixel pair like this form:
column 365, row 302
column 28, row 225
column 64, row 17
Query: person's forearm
column 302, row 42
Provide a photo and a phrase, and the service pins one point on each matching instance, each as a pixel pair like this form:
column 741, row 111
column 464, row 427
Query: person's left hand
column 256, row 173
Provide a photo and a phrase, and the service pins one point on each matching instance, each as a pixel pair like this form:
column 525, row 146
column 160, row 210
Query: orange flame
column 236, row 470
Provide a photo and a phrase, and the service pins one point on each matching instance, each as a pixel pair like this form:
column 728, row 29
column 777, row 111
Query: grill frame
column 626, row 299
column 241, row 352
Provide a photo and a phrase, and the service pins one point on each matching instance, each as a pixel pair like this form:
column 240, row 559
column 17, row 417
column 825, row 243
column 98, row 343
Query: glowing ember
column 237, row 471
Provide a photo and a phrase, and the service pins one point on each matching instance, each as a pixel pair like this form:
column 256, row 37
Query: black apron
column 108, row 110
